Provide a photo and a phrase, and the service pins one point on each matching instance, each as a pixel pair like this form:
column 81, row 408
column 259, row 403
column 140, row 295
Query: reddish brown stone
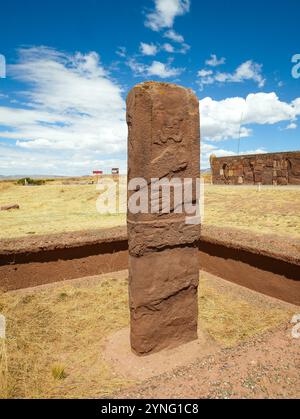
column 273, row 168
column 163, row 142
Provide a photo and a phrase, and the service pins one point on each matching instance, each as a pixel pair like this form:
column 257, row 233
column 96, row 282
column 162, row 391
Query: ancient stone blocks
column 163, row 142
column 268, row 169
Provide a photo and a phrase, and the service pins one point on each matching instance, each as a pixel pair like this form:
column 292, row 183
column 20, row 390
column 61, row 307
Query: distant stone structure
column 163, row 142
column 265, row 169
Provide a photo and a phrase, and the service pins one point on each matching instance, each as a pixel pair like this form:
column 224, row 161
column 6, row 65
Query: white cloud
column 179, row 39
column 267, row 108
column 152, row 49
column 122, row 52
column 157, row 69
column 14, row 161
column 163, row 70
column 71, row 104
column 248, row 70
column 213, row 61
column 208, row 149
column 72, row 115
column 204, row 73
column 228, row 118
column 256, row 151
column 174, row 36
column 168, row 47
column 292, row 125
column 148, row 49
column 296, row 104
column 165, row 13
column 184, row 48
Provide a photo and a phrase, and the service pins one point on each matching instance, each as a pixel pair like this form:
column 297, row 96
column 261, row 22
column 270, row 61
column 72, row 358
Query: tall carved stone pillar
column 163, row 143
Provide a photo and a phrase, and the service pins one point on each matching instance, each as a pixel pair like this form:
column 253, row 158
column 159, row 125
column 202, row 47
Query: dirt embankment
column 283, row 248
column 268, row 264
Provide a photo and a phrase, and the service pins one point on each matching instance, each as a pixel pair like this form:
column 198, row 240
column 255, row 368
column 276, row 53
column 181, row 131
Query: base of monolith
column 163, row 299
column 124, row 363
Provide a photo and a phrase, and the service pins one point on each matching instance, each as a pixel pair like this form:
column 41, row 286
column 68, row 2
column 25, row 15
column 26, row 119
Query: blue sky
column 70, row 66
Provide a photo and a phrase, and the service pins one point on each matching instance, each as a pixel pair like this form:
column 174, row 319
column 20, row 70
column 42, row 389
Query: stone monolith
column 163, row 143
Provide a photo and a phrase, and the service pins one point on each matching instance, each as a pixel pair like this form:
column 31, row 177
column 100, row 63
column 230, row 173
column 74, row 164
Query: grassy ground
column 52, row 208
column 54, row 336
column 54, row 333
column 55, row 208
column 270, row 211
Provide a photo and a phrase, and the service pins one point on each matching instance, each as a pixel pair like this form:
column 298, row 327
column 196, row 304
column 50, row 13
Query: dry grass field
column 273, row 210
column 51, row 208
column 55, row 333
column 55, row 208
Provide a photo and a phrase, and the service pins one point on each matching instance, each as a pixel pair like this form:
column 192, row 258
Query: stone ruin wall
column 265, row 169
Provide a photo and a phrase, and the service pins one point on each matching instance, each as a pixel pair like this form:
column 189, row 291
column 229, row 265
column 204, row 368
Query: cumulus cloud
column 70, row 118
column 174, row 36
column 163, row 70
column 183, row 49
column 248, row 70
column 165, row 12
column 177, row 38
column 157, row 69
column 168, row 47
column 292, row 125
column 204, row 73
column 154, row 49
column 148, row 49
column 71, row 104
column 208, row 149
column 213, row 61
column 15, row 161
column 230, row 118
column 296, row 104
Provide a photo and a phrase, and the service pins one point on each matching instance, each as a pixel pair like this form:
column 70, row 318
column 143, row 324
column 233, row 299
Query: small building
column 115, row 171
column 266, row 169
column 97, row 174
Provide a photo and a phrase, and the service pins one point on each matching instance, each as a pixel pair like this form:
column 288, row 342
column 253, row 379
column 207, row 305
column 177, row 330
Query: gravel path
column 265, row 367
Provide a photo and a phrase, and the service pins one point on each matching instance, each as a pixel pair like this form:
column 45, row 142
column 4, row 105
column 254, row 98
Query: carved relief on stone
column 171, row 145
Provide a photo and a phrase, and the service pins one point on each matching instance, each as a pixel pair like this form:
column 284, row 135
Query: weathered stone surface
column 167, row 324
column 268, row 169
column 163, row 142
column 165, row 279
column 157, row 236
